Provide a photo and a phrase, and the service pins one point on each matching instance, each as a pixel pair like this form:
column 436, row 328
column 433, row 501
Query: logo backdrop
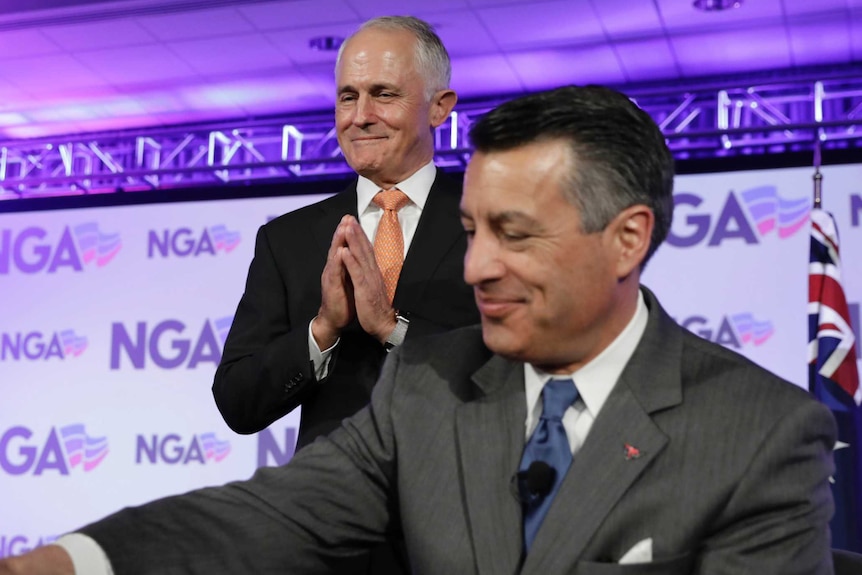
column 735, row 267
column 112, row 321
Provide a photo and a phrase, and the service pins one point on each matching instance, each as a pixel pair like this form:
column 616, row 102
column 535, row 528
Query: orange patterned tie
column 389, row 241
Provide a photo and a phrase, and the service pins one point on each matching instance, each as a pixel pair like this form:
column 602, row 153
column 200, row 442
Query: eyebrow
column 505, row 217
column 511, row 216
column 374, row 88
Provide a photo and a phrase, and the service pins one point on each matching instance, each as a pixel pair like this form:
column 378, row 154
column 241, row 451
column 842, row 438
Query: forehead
column 376, row 51
column 526, row 175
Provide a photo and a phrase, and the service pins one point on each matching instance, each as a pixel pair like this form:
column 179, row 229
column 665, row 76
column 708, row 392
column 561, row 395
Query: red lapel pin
column 631, row 451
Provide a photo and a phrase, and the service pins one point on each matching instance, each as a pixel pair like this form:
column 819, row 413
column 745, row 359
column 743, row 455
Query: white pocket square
column 641, row 552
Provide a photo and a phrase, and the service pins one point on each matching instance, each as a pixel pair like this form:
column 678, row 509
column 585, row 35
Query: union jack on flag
column 831, row 343
column 833, row 376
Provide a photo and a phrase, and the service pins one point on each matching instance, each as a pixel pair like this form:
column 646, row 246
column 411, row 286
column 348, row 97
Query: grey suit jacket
column 731, row 477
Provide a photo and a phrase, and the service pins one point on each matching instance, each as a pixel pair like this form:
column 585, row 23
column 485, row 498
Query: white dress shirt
column 594, row 381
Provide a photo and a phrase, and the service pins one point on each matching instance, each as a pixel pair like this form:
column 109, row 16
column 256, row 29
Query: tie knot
column 393, row 199
column 557, row 396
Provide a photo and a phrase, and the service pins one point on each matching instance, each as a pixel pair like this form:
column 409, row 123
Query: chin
column 502, row 342
column 368, row 169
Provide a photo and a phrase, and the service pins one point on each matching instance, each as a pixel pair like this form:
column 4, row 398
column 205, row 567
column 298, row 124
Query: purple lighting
column 326, row 43
column 716, row 5
column 99, row 68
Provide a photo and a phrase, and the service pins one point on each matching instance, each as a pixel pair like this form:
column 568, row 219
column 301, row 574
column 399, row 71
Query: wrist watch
column 398, row 334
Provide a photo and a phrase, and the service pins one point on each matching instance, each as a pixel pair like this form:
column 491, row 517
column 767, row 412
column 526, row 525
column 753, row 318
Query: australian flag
column 833, row 375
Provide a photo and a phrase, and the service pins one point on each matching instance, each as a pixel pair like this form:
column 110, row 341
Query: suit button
column 294, row 382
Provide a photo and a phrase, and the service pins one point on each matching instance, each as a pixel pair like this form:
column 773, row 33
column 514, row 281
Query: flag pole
column 818, row 177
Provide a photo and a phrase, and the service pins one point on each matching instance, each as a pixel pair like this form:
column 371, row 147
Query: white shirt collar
column 416, row 187
column 596, row 379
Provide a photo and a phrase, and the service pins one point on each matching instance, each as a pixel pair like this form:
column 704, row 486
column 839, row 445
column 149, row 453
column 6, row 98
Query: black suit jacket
column 266, row 371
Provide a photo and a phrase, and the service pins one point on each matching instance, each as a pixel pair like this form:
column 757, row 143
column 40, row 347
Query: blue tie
column 550, row 445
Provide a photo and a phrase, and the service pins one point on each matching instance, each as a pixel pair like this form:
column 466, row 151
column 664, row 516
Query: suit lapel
column 490, row 435
column 599, row 476
column 439, row 228
column 601, row 472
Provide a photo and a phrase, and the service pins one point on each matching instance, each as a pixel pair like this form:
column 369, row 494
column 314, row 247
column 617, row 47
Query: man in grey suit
column 678, row 455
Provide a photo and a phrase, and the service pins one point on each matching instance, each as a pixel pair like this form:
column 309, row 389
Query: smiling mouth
column 496, row 308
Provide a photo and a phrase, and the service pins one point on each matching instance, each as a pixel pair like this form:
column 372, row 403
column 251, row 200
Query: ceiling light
column 326, row 43
column 716, row 5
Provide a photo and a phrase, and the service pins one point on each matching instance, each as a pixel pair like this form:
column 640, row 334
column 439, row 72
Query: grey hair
column 432, row 59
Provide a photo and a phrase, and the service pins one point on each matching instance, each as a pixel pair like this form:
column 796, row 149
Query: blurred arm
column 777, row 520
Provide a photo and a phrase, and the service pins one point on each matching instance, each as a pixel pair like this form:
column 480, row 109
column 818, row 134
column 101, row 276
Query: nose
column 482, row 260
column 364, row 111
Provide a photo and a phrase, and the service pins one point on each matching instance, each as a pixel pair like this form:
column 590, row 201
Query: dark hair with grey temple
column 620, row 157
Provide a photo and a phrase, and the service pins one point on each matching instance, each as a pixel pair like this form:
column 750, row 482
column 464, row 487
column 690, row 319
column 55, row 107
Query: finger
column 351, row 265
column 358, row 274
column 346, row 280
column 372, row 306
column 360, row 246
column 45, row 560
column 338, row 238
column 332, row 270
column 335, row 275
column 367, row 281
column 336, row 307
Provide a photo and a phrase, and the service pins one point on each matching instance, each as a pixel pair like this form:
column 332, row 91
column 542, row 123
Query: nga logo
column 185, row 242
column 34, row 250
column 761, row 212
column 167, row 345
column 173, row 449
column 60, row 452
column 733, row 331
column 35, row 345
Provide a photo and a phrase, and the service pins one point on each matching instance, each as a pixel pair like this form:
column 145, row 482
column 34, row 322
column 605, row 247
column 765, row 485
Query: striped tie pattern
column 389, row 241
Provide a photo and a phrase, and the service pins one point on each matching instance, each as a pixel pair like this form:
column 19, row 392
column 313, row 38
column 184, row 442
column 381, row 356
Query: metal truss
column 704, row 122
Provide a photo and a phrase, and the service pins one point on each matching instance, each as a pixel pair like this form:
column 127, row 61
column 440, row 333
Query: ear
column 631, row 232
column 442, row 104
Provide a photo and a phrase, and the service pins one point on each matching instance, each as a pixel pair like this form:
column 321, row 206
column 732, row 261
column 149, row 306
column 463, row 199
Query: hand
column 373, row 310
column 336, row 305
column 47, row 560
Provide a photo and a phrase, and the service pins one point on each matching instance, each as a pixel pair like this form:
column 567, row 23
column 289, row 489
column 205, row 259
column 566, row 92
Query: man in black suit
column 315, row 322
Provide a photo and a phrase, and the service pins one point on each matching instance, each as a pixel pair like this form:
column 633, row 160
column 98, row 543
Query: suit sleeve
column 332, row 502
column 777, row 519
column 266, row 370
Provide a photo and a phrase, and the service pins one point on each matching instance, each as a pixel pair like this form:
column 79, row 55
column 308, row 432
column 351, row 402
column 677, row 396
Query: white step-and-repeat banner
column 112, row 322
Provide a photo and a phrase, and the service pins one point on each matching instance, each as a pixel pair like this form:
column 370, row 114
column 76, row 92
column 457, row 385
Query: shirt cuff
column 87, row 556
column 320, row 359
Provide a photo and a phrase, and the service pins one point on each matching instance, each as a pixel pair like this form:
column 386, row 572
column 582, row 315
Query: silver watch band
column 398, row 334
